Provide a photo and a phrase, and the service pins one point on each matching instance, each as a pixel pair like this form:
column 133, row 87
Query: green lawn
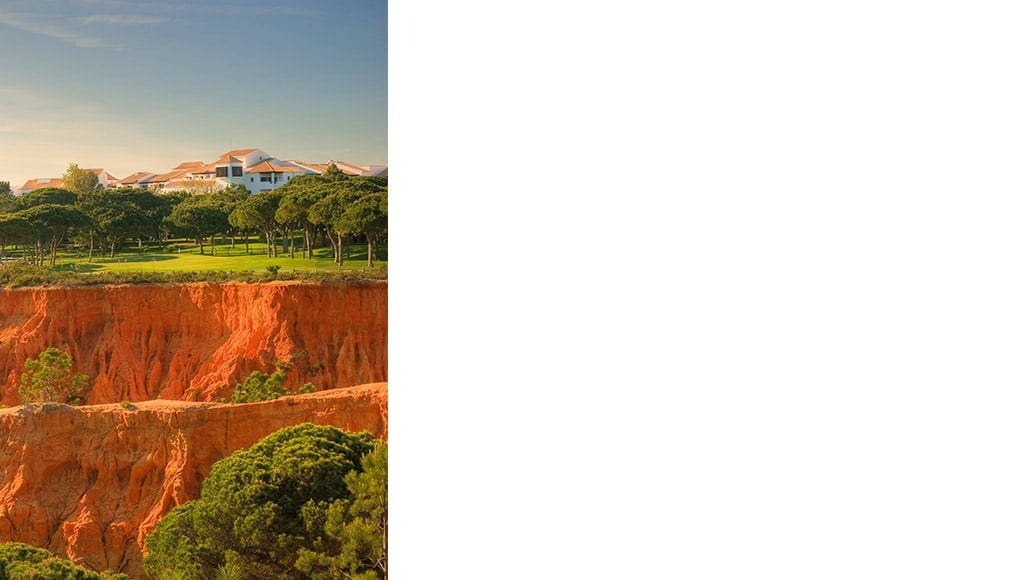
column 183, row 256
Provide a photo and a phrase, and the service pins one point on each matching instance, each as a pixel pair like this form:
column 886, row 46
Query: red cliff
column 90, row 482
column 197, row 341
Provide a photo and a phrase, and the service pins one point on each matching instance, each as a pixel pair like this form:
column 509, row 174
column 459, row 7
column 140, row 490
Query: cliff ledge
column 197, row 341
column 89, row 483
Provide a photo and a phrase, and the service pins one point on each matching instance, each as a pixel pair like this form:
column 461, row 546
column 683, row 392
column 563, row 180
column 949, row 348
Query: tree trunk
column 369, row 252
column 383, row 564
column 334, row 247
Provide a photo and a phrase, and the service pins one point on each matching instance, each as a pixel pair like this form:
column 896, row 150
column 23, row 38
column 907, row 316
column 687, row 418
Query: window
column 265, row 177
column 236, row 172
column 252, row 179
column 222, row 172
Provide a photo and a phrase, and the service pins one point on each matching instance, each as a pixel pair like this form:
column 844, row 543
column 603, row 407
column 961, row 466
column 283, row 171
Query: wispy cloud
column 123, row 19
column 191, row 8
column 27, row 24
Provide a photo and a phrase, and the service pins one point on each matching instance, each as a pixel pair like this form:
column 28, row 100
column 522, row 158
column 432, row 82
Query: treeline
column 307, row 212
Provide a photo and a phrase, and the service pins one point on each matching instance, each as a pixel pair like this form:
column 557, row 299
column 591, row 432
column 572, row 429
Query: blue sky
column 142, row 86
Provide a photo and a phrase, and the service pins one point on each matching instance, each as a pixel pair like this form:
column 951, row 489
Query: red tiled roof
column 318, row 167
column 42, row 182
column 135, row 177
column 348, row 168
column 164, row 177
column 233, row 156
column 273, row 166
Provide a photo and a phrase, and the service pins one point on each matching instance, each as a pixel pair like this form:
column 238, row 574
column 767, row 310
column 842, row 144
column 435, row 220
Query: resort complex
column 253, row 168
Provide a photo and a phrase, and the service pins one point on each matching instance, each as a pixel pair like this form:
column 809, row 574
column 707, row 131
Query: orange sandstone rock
column 89, row 483
column 197, row 341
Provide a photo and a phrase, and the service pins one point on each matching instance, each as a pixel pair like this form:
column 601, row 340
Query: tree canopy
column 200, row 216
column 21, row 561
column 80, row 180
column 7, row 200
column 14, row 229
column 51, row 378
column 367, row 216
column 52, row 223
column 47, row 195
column 291, row 506
column 258, row 212
column 356, row 530
column 81, row 215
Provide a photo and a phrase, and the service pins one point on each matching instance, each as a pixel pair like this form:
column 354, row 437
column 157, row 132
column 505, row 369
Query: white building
column 256, row 170
column 106, row 180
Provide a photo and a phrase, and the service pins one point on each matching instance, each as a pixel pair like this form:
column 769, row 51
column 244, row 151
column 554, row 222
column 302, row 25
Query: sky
column 142, row 86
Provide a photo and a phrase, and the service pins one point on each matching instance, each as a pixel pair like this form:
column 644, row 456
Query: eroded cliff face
column 90, row 482
column 197, row 341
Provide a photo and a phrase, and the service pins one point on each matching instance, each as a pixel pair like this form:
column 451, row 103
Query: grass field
column 183, row 256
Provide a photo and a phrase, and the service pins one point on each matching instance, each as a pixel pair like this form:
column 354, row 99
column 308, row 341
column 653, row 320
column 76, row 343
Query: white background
column 725, row 290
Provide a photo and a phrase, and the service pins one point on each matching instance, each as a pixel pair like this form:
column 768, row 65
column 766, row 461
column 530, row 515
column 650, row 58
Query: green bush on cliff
column 305, row 502
column 23, row 562
column 263, row 387
column 259, row 387
column 50, row 379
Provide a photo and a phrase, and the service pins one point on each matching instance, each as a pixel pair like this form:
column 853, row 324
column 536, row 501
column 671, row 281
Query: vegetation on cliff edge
column 23, row 562
column 259, row 387
column 20, row 275
column 51, row 379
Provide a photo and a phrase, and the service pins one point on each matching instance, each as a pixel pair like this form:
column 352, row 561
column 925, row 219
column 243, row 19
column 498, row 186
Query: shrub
column 23, row 274
column 21, row 561
column 259, row 387
column 50, row 379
